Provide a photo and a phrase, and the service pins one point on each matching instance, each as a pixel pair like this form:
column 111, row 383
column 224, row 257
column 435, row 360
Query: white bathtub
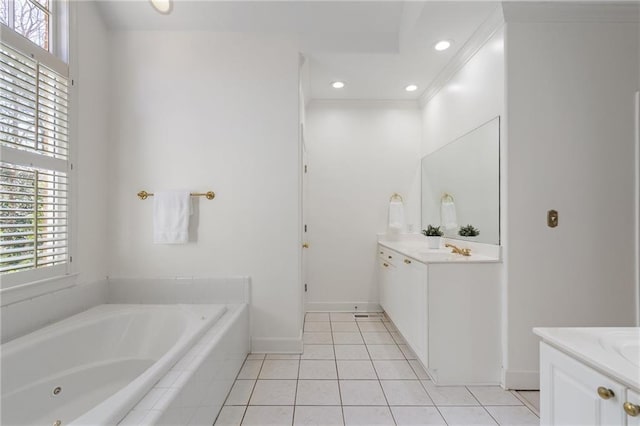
column 103, row 361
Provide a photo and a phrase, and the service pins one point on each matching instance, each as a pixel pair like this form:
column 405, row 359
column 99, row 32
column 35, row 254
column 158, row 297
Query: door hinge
column 70, row 259
column 305, row 288
column 305, row 228
column 305, row 168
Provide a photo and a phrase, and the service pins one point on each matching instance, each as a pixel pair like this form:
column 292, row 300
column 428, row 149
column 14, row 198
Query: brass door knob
column 305, row 245
column 605, row 393
column 631, row 409
column 407, row 261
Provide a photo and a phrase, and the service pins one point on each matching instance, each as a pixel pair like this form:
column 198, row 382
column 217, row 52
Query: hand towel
column 396, row 216
column 171, row 211
column 448, row 217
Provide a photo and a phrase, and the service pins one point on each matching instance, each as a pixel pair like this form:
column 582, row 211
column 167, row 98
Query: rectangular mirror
column 465, row 175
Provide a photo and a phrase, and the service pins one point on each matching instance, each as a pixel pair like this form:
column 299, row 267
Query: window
column 29, row 18
column 34, row 147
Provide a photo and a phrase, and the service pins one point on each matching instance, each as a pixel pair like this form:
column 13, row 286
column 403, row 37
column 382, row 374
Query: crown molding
column 571, row 12
column 478, row 39
column 366, row 103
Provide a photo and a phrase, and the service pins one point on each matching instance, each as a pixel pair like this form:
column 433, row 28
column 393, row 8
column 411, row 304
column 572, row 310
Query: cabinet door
column 634, row 398
column 569, row 392
column 384, row 281
column 415, row 305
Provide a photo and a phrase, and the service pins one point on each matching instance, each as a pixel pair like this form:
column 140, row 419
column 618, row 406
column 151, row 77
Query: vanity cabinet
column 449, row 314
column 573, row 393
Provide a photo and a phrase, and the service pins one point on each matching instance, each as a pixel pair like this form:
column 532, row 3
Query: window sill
column 33, row 289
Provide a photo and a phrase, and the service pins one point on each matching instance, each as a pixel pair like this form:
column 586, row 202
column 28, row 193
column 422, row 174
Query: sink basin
column 625, row 343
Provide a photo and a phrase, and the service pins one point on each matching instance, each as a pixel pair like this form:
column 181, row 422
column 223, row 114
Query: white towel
column 171, row 211
column 396, row 216
column 448, row 217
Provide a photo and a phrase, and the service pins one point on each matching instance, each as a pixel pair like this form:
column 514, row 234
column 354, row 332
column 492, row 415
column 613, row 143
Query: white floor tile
column 351, row 352
column 494, row 395
column 318, row 352
column 230, row 416
column 347, row 339
column 283, row 356
column 318, row 369
column 356, row 370
column 513, row 416
column 250, row 369
column 318, row 392
column 377, row 338
column 533, row 398
column 385, row 352
column 317, row 326
column 317, row 338
column 274, row 392
column 361, row 392
column 449, row 395
column 342, row 316
column 317, row 416
column 418, row 369
column 368, row 416
column 405, row 392
column 372, row 326
column 255, row 356
column 268, row 416
column 408, row 353
column 240, row 392
column 317, row 316
column 390, row 326
column 397, row 337
column 417, row 416
column 279, row 369
column 466, row 416
column 394, row 370
column 343, row 326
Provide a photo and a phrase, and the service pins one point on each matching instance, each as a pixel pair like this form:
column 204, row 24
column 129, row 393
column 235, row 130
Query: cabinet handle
column 631, row 409
column 381, row 252
column 386, row 265
column 390, row 257
column 407, row 261
column 605, row 393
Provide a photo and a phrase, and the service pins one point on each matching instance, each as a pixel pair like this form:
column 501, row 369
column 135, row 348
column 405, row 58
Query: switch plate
column 552, row 218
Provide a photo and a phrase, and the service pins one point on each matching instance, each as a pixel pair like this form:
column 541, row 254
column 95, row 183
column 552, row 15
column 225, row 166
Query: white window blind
column 34, row 143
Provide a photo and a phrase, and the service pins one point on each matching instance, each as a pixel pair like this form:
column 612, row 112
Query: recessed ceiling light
column 411, row 88
column 337, row 84
column 162, row 6
column 442, row 45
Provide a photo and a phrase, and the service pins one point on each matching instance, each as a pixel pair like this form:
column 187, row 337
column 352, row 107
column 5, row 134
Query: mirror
column 468, row 170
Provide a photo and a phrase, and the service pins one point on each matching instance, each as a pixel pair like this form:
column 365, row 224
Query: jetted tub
column 93, row 367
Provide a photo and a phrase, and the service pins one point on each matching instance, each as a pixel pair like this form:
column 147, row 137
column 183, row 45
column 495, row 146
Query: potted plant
column 433, row 234
column 468, row 231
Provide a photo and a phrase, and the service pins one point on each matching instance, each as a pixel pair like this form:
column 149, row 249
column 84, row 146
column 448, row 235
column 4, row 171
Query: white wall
column 359, row 154
column 570, row 89
column 90, row 72
column 211, row 111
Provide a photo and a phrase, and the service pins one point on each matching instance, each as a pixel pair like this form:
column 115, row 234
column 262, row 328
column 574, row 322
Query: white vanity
column 589, row 376
column 446, row 306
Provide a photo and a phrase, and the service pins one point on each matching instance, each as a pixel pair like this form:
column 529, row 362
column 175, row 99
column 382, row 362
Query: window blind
column 34, row 143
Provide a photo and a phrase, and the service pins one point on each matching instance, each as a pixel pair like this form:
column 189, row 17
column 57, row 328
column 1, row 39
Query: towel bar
column 210, row 195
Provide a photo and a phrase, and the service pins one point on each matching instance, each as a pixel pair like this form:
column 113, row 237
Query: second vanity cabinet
column 449, row 314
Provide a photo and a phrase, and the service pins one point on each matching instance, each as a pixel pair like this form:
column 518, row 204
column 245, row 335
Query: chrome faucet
column 457, row 250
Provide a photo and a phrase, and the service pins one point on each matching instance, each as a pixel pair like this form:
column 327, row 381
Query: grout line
column 246, row 407
column 335, row 359
column 527, row 403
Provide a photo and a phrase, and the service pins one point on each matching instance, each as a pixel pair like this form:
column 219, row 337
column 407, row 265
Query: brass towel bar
column 210, row 195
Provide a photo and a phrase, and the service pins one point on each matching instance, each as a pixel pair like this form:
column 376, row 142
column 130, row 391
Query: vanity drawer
column 387, row 255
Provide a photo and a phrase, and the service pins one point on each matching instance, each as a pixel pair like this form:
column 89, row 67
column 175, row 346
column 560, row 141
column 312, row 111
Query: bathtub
column 94, row 367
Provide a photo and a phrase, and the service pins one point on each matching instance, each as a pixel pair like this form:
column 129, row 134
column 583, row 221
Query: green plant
column 432, row 231
column 468, row 231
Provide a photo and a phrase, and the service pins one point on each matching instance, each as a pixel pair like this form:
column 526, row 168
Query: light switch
column 552, row 218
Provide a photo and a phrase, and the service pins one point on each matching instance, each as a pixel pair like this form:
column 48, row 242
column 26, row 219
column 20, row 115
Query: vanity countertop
column 613, row 350
column 415, row 246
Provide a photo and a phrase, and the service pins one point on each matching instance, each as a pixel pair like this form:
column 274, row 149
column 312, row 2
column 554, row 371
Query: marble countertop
column 612, row 350
column 415, row 246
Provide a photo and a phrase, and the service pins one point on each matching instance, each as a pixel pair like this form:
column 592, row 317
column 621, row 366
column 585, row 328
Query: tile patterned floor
column 360, row 372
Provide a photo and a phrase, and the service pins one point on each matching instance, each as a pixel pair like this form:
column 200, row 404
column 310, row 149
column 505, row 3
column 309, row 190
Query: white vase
column 433, row 242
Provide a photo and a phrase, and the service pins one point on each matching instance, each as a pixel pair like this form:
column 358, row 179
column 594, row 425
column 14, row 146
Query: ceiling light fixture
column 411, row 88
column 337, row 84
column 442, row 45
column 162, row 6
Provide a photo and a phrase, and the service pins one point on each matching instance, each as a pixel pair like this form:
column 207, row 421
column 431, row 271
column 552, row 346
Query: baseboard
column 522, row 380
column 342, row 307
column 270, row 345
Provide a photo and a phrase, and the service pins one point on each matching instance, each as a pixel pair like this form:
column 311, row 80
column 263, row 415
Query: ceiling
column 375, row 47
